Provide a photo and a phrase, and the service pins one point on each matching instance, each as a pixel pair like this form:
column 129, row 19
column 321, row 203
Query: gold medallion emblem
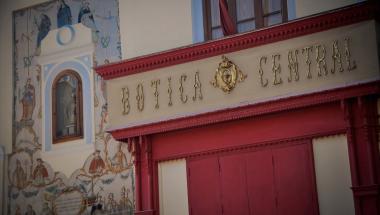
column 227, row 75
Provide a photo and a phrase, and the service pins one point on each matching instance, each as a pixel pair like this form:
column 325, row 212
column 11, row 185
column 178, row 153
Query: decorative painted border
column 341, row 17
column 301, row 101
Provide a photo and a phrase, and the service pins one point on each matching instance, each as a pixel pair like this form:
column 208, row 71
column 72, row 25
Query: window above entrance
column 246, row 15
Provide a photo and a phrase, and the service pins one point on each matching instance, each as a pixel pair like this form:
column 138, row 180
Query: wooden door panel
column 234, row 185
column 260, row 182
column 204, row 186
column 293, row 180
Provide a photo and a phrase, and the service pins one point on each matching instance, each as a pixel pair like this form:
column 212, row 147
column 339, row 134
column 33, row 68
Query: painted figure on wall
column 40, row 173
column 18, row 210
column 97, row 164
column 125, row 203
column 46, row 210
column 43, row 29
column 29, row 210
column 87, row 19
column 111, row 205
column 119, row 160
column 28, row 101
column 103, row 118
column 19, row 176
column 64, row 14
column 100, row 199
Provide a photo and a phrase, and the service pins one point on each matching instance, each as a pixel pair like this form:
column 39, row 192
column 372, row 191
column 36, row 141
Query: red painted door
column 234, row 185
column 204, row 189
column 272, row 181
column 293, row 180
column 260, row 182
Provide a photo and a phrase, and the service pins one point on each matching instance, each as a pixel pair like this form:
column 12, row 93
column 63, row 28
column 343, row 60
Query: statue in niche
column 40, row 173
column 64, row 14
column 28, row 101
column 67, row 105
column 97, row 164
column 19, row 176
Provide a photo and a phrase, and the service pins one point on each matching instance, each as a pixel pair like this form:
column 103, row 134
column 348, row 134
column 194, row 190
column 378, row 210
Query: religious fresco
column 107, row 175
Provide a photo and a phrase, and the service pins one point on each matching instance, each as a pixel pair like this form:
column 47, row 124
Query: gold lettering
column 261, row 72
column 140, row 97
column 293, row 65
column 276, row 69
column 125, row 100
column 347, row 53
column 337, row 57
column 197, row 87
column 307, row 50
column 181, row 89
column 320, row 57
column 155, row 84
column 170, row 91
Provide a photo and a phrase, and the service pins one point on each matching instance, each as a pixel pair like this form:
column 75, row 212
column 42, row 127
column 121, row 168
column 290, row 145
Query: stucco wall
column 333, row 175
column 151, row 26
column 309, row 7
column 172, row 180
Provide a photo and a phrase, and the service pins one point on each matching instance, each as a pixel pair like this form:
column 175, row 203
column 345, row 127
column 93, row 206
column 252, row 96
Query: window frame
column 258, row 18
column 78, row 107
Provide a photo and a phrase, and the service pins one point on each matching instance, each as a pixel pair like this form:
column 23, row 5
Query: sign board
column 326, row 60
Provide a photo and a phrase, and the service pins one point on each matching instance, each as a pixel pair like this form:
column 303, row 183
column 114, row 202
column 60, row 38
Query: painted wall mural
column 107, row 175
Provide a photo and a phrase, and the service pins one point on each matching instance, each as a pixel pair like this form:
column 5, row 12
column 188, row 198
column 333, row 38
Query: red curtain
column 228, row 25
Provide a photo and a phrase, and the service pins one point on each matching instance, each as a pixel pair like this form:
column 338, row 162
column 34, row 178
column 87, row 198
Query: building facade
column 145, row 107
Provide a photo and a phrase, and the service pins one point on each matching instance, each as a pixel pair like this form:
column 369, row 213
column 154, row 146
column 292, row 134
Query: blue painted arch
column 84, row 74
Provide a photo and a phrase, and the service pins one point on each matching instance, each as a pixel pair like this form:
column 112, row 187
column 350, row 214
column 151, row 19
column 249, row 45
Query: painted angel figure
column 28, row 101
column 87, row 19
column 40, row 173
column 43, row 29
column 64, row 14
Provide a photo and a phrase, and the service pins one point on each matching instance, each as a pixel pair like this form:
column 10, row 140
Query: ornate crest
column 227, row 75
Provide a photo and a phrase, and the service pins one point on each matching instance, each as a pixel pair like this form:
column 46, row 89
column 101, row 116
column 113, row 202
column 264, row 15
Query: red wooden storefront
column 258, row 159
